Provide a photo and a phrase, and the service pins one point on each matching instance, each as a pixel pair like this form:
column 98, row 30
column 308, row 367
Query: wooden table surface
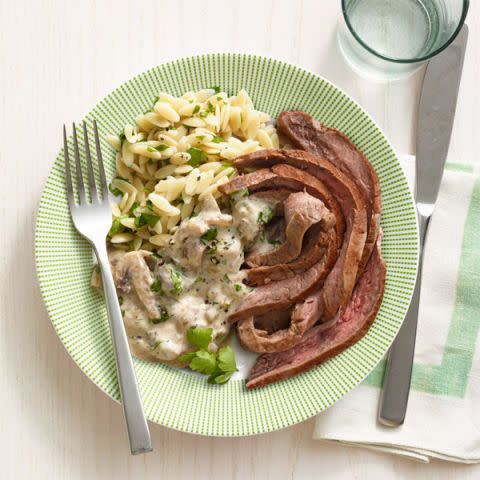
column 57, row 59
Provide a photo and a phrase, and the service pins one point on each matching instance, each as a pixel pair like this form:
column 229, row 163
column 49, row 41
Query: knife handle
column 398, row 373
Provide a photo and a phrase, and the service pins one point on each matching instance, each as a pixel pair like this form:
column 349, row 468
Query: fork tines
column 78, row 167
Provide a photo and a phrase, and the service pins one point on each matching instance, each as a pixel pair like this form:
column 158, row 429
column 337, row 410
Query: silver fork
column 93, row 220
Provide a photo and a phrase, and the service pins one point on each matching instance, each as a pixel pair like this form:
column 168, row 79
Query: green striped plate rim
column 175, row 398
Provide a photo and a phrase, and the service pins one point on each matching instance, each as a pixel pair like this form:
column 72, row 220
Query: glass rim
column 466, row 4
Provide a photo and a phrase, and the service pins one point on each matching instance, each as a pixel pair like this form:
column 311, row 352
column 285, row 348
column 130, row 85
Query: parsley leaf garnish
column 215, row 89
column 199, row 337
column 196, row 109
column 226, row 360
column 204, row 362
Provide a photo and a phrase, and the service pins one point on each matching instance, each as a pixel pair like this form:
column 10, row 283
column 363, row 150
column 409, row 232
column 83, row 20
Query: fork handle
column 137, row 427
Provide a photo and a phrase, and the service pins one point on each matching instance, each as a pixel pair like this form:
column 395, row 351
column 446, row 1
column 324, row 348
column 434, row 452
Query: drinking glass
column 390, row 39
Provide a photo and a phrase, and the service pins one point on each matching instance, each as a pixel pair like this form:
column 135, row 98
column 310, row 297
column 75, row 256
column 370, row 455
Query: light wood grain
column 57, row 59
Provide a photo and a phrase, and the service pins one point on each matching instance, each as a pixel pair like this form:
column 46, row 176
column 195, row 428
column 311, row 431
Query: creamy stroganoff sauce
column 195, row 281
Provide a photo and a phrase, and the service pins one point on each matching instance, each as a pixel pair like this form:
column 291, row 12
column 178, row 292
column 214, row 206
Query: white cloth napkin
column 443, row 417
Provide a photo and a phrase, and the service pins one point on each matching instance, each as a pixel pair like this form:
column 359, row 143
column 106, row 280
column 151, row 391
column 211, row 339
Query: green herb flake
column 196, row 109
column 237, row 287
column 274, row 242
column 197, row 156
column 120, row 300
column 218, row 139
column 209, row 235
column 156, row 286
column 155, row 345
column 115, row 191
column 164, row 316
column 199, row 337
column 161, row 148
column 146, row 219
column 216, row 89
column 121, row 137
column 210, row 107
column 265, row 216
column 151, row 149
column 203, row 114
column 116, row 227
column 176, row 282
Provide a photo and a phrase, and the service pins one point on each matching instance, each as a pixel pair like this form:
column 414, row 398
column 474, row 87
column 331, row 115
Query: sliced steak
column 275, row 197
column 283, row 294
column 301, row 212
column 264, row 334
column 303, row 131
column 293, row 165
column 319, row 344
column 314, row 248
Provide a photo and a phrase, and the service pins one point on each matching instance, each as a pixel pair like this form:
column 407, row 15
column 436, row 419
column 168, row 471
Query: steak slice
column 319, row 344
column 304, row 132
column 313, row 250
column 283, row 294
column 275, row 197
column 301, row 212
column 264, row 334
column 339, row 285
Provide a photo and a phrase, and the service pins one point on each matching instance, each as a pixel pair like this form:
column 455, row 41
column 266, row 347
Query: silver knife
column 435, row 120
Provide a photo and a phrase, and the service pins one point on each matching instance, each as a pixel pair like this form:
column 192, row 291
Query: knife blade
column 435, row 121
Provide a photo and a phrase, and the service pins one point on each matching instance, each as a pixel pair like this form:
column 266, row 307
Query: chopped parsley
column 197, row 156
column 162, row 147
column 176, row 282
column 155, row 345
column 133, row 208
column 218, row 139
column 115, row 191
column 149, row 219
column 164, row 316
column 196, row 109
column 215, row 89
column 156, row 286
column 210, row 108
column 120, row 300
column 203, row 114
column 237, row 287
column 274, row 242
column 265, row 216
column 209, row 235
column 116, row 227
